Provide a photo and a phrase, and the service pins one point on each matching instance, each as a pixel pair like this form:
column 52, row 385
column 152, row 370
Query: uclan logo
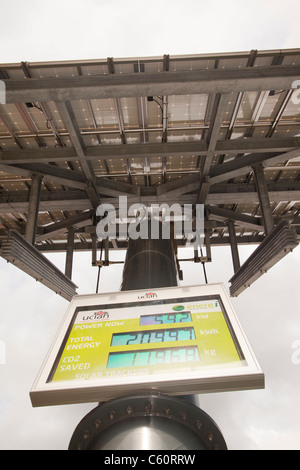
column 102, row 314
column 148, row 295
column 97, row 316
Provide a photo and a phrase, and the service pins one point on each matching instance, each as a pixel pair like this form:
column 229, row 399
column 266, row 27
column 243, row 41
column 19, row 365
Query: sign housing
column 176, row 340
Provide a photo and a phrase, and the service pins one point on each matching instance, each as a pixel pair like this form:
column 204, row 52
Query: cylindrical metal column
column 148, row 421
column 150, row 263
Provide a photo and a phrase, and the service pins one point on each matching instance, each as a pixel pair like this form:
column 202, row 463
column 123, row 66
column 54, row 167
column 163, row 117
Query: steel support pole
column 234, row 246
column 149, row 264
column 263, row 196
column 33, row 208
column 69, row 253
column 94, row 249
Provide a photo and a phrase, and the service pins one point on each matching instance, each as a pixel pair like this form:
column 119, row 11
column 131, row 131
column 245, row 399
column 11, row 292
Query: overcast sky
column 36, row 30
column 269, row 311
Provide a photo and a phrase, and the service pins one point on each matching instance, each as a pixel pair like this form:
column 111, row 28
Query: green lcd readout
column 164, row 318
column 176, row 341
column 152, row 336
column 153, row 357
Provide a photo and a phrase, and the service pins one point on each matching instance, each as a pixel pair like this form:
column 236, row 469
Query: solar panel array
column 184, row 129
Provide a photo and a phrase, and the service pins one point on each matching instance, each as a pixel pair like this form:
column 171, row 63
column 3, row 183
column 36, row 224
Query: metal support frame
column 217, row 168
column 234, row 246
column 151, row 84
column 33, row 209
column 66, row 111
column 275, row 246
column 264, row 200
column 26, row 257
column 94, row 249
column 69, row 253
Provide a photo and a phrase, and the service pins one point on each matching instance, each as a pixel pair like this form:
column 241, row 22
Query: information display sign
column 178, row 340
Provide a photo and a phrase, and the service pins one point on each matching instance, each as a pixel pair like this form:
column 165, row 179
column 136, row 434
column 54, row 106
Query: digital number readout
column 153, row 357
column 165, row 318
column 152, row 336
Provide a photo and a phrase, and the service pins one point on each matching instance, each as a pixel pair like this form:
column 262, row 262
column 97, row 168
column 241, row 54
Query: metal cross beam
column 152, row 84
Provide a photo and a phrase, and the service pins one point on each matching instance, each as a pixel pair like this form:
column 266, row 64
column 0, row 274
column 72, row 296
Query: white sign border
column 249, row 377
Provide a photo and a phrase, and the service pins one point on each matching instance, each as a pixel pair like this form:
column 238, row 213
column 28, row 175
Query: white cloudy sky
column 269, row 311
column 37, row 30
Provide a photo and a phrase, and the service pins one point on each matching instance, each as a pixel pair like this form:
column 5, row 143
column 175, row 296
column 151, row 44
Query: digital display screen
column 165, row 318
column 106, row 341
column 175, row 340
column 152, row 336
column 153, row 357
